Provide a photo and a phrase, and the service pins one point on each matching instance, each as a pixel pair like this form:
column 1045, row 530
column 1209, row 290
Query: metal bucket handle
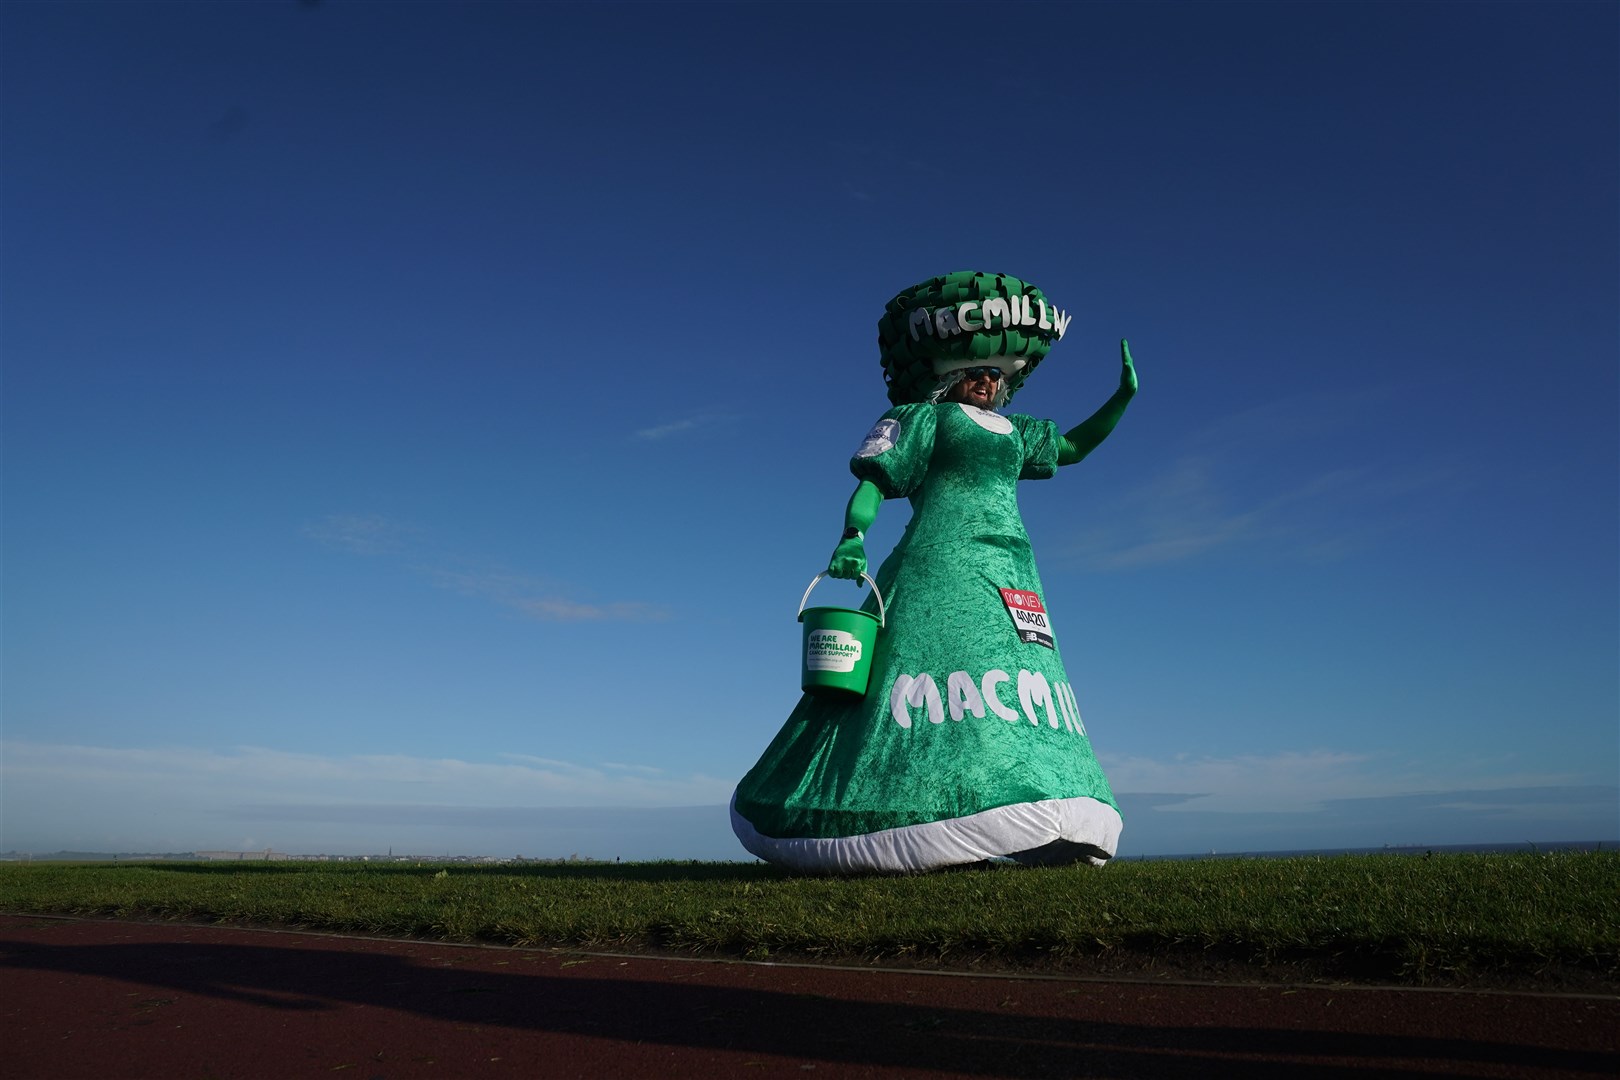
column 883, row 617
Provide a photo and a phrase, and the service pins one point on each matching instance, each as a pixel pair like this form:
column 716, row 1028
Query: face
column 978, row 387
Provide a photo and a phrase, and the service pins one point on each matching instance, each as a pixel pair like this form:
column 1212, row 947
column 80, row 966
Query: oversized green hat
column 959, row 320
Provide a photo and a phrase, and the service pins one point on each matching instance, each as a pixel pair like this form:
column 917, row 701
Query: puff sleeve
column 1040, row 438
column 894, row 455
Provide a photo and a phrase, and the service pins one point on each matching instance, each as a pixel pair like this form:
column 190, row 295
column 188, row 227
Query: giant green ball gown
column 968, row 744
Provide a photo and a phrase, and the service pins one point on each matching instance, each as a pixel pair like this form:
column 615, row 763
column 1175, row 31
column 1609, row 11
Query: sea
column 1534, row 847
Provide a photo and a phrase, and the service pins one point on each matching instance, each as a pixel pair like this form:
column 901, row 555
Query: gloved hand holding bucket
column 838, row 643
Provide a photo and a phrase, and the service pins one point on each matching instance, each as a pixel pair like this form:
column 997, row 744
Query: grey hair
column 951, row 378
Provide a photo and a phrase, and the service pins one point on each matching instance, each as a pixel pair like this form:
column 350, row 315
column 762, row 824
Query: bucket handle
column 883, row 617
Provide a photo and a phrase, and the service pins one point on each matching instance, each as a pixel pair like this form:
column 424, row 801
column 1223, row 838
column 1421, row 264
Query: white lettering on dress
column 914, row 693
column 963, row 696
column 1071, row 708
column 993, row 678
column 1034, row 691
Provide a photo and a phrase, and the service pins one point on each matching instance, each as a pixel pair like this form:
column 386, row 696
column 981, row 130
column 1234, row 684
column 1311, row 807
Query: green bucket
column 838, row 645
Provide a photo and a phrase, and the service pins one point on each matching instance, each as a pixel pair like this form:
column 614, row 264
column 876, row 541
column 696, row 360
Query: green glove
column 1127, row 371
column 1086, row 436
column 848, row 559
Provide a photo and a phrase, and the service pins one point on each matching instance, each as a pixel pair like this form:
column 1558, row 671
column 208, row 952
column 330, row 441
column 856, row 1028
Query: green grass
column 1420, row 919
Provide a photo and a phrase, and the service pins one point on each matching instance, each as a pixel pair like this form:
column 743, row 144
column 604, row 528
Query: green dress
column 968, row 744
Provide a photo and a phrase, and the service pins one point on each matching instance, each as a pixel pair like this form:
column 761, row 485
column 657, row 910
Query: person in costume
column 968, row 744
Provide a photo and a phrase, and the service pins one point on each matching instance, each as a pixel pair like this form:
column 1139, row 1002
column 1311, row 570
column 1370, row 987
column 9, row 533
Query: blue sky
column 420, row 421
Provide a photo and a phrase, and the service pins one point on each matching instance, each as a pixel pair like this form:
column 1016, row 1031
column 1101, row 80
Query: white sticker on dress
column 986, row 419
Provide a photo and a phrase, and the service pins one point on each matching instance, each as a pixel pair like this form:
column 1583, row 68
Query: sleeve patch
column 882, row 437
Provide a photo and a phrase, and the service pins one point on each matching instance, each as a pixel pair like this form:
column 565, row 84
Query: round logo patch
column 882, row 437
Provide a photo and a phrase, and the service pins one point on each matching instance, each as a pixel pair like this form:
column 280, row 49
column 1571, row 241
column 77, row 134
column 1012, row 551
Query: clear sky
column 421, row 420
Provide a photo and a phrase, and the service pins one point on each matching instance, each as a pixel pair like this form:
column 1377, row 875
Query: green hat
column 961, row 320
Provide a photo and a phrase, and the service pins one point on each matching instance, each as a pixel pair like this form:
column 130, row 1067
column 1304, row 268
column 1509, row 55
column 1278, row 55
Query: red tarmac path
column 114, row 999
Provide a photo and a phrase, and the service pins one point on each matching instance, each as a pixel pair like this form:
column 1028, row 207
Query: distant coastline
column 271, row 855
column 1397, row 849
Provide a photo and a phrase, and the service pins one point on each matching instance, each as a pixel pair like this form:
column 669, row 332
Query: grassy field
column 1551, row 920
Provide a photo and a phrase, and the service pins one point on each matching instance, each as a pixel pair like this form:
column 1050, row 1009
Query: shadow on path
column 689, row 1013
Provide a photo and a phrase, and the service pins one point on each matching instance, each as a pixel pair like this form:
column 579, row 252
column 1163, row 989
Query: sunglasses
column 991, row 373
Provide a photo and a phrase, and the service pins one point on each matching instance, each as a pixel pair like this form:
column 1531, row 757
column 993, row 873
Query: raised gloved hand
column 1127, row 371
column 1084, row 437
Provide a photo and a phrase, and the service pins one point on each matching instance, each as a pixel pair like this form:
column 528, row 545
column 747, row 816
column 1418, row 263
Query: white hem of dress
column 1003, row 832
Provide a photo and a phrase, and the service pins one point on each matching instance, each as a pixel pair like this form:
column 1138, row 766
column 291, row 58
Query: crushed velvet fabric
column 969, row 742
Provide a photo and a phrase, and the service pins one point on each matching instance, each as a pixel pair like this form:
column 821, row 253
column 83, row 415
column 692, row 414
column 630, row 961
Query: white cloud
column 1307, row 781
column 545, row 763
column 360, row 534
column 374, row 535
column 649, row 769
column 1296, row 418
column 1239, row 482
column 678, row 427
column 185, row 798
column 144, row 799
column 537, row 600
column 664, row 431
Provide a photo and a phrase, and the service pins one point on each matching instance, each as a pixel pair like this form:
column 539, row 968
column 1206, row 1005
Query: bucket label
column 831, row 650
column 1028, row 616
